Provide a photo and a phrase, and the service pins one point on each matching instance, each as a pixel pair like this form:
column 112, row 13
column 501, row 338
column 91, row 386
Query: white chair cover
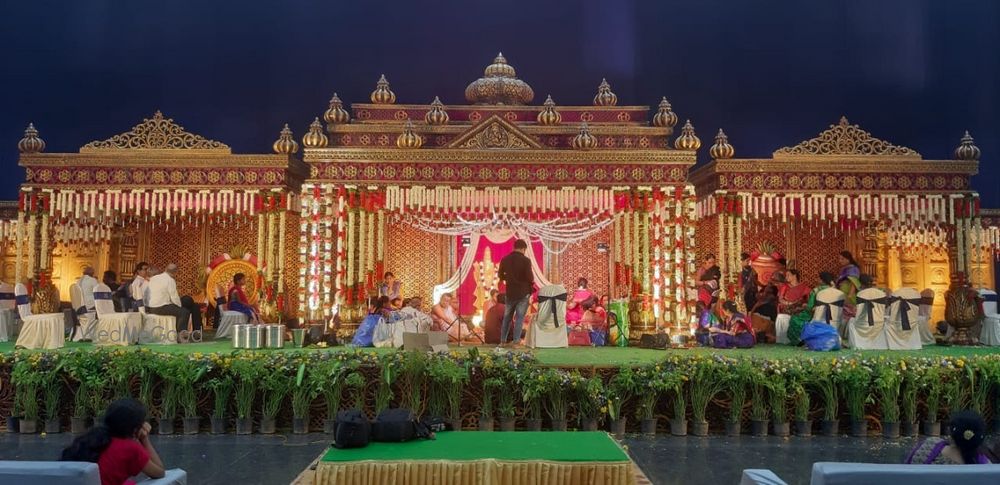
column 866, row 331
column 114, row 328
column 990, row 334
column 829, row 307
column 924, row 317
column 781, row 327
column 156, row 329
column 228, row 318
column 8, row 312
column 46, row 331
column 548, row 329
column 902, row 332
column 86, row 317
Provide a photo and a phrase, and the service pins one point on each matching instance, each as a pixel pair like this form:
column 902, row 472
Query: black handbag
column 394, row 426
column 654, row 341
column 352, row 429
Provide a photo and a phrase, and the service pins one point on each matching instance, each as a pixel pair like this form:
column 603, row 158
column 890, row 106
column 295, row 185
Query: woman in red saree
column 574, row 307
column 237, row 300
column 796, row 295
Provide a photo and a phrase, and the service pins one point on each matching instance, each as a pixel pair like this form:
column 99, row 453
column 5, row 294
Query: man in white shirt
column 87, row 284
column 164, row 300
column 137, row 289
column 85, row 321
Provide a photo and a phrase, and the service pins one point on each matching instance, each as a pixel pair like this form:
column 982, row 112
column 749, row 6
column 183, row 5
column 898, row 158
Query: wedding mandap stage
column 436, row 194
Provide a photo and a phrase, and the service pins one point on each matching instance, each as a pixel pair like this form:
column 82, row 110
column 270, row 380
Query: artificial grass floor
column 588, row 356
column 575, row 446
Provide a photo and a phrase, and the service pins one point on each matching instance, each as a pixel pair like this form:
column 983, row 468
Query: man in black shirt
column 515, row 272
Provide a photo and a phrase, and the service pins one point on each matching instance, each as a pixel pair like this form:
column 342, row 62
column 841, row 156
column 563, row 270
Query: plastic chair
column 46, row 331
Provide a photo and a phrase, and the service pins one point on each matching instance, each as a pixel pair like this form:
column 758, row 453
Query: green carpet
column 573, row 446
column 592, row 356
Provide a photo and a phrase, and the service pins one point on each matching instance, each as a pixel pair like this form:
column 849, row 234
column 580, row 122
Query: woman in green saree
column 800, row 319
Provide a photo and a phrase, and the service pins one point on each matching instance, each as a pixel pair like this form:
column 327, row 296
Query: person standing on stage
column 515, row 272
column 748, row 282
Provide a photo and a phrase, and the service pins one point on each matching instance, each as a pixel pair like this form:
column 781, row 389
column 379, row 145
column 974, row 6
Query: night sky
column 917, row 73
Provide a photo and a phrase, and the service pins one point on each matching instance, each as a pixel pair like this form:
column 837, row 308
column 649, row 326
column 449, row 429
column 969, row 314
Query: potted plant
column 303, row 394
column 168, row 407
column 930, row 382
column 777, row 391
column 678, row 424
column 412, row 377
column 84, row 368
column 355, row 383
column 328, row 377
column 52, row 397
column 389, row 367
column 591, row 401
column 706, row 381
column 449, row 378
column 557, row 390
column 190, row 372
column 888, row 381
column 247, row 371
column 534, row 388
column 825, row 381
column 799, row 381
column 506, row 409
column 222, row 390
column 908, row 399
column 738, row 380
column 490, row 386
column 855, row 381
column 621, row 388
column 276, row 383
column 26, row 376
column 758, row 403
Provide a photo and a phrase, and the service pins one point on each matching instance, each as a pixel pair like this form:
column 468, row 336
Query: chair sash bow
column 6, row 296
column 22, row 299
column 827, row 308
column 904, row 309
column 870, row 307
column 102, row 295
column 560, row 297
column 986, row 298
column 80, row 311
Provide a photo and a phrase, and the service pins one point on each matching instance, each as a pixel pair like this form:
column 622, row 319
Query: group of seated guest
column 724, row 327
column 586, row 317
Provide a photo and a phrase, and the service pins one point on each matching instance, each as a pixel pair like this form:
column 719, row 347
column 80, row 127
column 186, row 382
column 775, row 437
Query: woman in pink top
column 119, row 445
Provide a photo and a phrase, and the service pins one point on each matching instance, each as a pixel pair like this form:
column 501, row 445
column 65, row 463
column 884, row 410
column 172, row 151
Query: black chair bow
column 22, row 299
column 904, row 309
column 827, row 308
column 553, row 299
column 102, row 295
column 6, row 296
column 926, row 300
column 870, row 306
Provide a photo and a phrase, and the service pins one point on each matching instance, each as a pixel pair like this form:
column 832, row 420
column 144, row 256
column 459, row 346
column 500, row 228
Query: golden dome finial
column 31, row 143
column 315, row 138
column 665, row 117
column 548, row 115
column 604, row 95
column 336, row 113
column 382, row 94
column 436, row 115
column 584, row 140
column 688, row 140
column 721, row 149
column 409, row 139
column 499, row 85
column 967, row 149
column 285, row 144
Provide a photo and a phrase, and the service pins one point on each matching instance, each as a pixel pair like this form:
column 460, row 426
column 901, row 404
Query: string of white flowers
column 19, row 248
column 282, row 220
column 32, row 247
column 349, row 275
column 261, row 229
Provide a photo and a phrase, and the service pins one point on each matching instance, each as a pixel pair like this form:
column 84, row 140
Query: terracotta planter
column 932, row 428
column 218, row 425
column 782, row 429
column 908, row 429
column 890, row 430
column 244, row 425
column 803, row 428
column 300, row 425
column 191, row 425
column 485, row 424
column 29, row 426
column 456, row 424
column 758, row 428
column 559, row 425
column 765, row 266
column 267, row 425
column 618, row 427
column 165, row 426
column 533, row 424
column 859, row 428
column 78, row 425
column 679, row 427
column 699, row 428
column 14, row 424
column 53, row 425
column 588, row 424
column 830, row 427
column 648, row 426
column 734, row 428
column 508, row 424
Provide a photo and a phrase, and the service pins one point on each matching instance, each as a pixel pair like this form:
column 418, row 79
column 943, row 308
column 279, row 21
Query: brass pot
column 962, row 312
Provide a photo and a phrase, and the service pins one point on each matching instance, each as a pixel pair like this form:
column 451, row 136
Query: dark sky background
column 771, row 73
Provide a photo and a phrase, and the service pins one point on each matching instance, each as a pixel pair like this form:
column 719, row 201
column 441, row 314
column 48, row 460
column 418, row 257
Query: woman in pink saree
column 574, row 307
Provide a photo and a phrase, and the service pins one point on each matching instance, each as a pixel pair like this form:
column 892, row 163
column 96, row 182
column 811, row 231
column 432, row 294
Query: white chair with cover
column 866, row 331
column 227, row 318
column 156, row 329
column 924, row 317
column 781, row 328
column 548, row 329
column 46, row 331
column 902, row 332
column 8, row 312
column 114, row 328
column 829, row 307
column 990, row 334
column 409, row 320
column 86, row 318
